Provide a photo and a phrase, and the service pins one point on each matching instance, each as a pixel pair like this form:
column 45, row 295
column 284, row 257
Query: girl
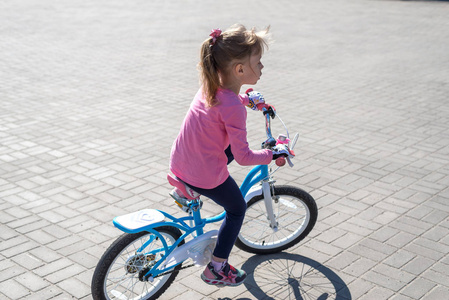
column 215, row 124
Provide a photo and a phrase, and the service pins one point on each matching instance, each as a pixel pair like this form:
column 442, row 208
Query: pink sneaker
column 227, row 276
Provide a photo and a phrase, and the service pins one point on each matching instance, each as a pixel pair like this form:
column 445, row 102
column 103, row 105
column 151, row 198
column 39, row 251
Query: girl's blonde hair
column 217, row 55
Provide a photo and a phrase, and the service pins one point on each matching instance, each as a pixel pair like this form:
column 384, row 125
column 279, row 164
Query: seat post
column 199, row 224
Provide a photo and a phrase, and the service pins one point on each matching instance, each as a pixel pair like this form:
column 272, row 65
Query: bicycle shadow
column 292, row 276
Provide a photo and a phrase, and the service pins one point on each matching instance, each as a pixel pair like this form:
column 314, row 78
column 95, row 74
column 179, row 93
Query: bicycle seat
column 185, row 189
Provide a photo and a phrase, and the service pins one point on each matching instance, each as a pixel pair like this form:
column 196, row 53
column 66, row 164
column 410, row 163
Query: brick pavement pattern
column 92, row 94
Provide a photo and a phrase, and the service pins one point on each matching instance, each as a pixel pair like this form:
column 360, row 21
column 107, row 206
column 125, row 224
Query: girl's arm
column 234, row 118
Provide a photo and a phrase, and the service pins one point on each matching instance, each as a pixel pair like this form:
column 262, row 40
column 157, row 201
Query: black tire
column 124, row 263
column 296, row 213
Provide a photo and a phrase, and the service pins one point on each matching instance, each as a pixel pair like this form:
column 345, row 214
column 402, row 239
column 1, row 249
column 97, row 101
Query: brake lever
column 269, row 143
column 269, row 111
column 289, row 162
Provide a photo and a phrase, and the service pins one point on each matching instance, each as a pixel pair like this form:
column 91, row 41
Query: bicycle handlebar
column 270, row 113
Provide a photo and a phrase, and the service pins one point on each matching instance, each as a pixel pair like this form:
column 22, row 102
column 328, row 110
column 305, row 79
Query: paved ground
column 92, row 94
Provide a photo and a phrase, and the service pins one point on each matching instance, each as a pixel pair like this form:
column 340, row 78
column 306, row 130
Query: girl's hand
column 256, row 99
column 280, row 150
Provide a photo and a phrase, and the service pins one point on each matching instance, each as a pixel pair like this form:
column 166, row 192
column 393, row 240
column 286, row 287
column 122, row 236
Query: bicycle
column 144, row 261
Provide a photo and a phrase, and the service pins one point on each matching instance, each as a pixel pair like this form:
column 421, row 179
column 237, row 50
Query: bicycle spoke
column 258, row 230
column 287, row 279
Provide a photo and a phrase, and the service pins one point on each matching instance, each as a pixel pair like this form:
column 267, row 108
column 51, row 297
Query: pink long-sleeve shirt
column 197, row 155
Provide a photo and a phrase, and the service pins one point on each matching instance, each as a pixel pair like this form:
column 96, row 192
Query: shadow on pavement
column 292, row 276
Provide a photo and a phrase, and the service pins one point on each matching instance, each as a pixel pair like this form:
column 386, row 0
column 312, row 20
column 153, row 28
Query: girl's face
column 253, row 69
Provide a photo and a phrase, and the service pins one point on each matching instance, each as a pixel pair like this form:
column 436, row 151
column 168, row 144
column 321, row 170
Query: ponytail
column 209, row 74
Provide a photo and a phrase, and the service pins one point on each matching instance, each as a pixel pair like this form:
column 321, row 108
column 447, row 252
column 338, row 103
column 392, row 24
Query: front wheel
column 117, row 274
column 295, row 212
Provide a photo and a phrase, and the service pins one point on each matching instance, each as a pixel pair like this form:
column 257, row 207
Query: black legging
column 228, row 196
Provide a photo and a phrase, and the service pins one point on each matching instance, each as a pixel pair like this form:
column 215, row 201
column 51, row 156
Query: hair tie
column 214, row 35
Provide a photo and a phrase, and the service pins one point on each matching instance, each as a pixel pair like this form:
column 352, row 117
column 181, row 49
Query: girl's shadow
column 292, row 276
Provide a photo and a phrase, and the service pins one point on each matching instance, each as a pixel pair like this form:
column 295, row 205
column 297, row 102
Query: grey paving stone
column 437, row 293
column 65, row 274
column 45, row 254
column 13, row 290
column 390, row 285
column 360, row 267
column 53, row 267
column 418, row 265
column 348, row 240
column 401, row 239
column 28, row 261
column 394, row 273
column 435, row 276
column 418, row 288
column 399, row 258
column 74, row 287
column 400, row 297
column 378, row 293
column 32, row 282
column 384, row 233
column 46, row 293
column 11, row 271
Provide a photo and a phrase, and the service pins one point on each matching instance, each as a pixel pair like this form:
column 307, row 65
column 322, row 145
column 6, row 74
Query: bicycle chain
column 169, row 272
column 165, row 273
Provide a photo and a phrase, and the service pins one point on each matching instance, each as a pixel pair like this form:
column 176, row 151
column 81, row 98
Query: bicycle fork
column 266, row 189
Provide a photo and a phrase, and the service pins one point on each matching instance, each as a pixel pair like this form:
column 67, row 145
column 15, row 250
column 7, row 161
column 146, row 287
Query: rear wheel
column 296, row 214
column 117, row 274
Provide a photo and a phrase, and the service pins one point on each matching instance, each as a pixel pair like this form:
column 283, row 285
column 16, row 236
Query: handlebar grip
column 280, row 161
column 261, row 106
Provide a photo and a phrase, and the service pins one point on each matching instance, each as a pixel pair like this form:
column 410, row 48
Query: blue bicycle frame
column 257, row 174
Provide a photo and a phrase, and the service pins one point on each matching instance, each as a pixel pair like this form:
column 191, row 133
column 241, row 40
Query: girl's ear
column 238, row 69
